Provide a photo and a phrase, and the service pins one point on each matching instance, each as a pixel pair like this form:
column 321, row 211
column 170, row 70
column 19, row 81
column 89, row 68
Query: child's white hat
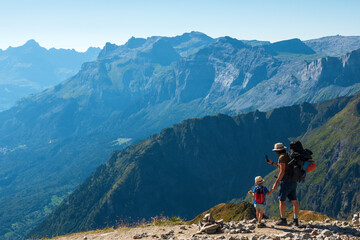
column 259, row 180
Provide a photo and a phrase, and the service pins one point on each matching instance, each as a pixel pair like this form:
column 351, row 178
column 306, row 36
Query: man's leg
column 282, row 207
column 282, row 204
column 296, row 206
column 295, row 202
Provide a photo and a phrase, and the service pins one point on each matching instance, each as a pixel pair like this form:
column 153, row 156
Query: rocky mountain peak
column 232, row 41
column 135, row 42
column 108, row 50
column 161, row 52
column 31, row 44
column 291, row 46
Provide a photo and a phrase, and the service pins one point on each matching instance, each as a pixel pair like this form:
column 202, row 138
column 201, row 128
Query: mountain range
column 52, row 141
column 30, row 69
column 198, row 163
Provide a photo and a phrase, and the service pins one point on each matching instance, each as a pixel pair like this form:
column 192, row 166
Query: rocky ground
column 243, row 230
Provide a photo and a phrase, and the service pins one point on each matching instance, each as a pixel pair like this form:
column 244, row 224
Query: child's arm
column 269, row 193
column 251, row 192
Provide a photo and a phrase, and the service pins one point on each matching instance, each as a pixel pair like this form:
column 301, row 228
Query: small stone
column 314, row 233
column 232, row 231
column 247, row 230
column 326, row 233
column 327, row 220
column 254, row 237
column 251, row 226
column 137, row 236
column 183, row 228
column 85, row 238
column 253, row 221
column 286, row 235
column 239, row 226
column 355, row 221
column 306, row 236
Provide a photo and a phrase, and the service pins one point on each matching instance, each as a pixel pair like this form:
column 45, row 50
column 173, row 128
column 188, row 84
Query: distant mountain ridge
column 58, row 137
column 291, row 46
column 334, row 46
column 30, row 68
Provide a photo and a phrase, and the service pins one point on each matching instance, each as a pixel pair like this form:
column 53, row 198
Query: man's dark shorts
column 287, row 190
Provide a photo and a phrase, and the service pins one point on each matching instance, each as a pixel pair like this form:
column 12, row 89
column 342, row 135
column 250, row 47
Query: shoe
column 282, row 222
column 261, row 225
column 295, row 222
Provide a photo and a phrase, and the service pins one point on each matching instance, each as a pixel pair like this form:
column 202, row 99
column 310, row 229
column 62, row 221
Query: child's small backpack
column 260, row 194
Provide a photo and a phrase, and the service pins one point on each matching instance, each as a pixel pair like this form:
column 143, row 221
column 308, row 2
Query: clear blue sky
column 82, row 23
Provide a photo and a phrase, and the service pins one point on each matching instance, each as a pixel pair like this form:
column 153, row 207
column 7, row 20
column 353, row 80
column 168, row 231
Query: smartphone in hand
column 267, row 159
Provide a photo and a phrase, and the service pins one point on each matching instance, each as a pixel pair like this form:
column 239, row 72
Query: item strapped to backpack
column 259, row 194
column 300, row 162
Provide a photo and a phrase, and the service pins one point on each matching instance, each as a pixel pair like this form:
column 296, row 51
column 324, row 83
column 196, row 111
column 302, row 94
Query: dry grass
column 307, row 215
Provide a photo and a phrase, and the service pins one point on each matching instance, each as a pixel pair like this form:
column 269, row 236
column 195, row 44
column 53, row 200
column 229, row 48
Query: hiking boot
column 282, row 222
column 295, row 222
column 260, row 225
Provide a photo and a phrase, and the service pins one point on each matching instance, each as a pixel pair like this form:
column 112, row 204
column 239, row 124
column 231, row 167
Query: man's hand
column 268, row 159
column 250, row 192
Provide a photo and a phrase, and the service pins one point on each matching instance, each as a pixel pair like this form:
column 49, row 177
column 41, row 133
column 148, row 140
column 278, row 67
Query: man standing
column 287, row 188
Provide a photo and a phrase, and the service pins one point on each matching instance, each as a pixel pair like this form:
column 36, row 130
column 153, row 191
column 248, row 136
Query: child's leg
column 258, row 214
column 261, row 213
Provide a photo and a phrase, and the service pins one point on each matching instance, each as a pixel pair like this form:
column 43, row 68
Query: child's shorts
column 259, row 205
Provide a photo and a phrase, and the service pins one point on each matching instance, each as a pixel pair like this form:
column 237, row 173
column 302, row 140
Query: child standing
column 259, row 193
